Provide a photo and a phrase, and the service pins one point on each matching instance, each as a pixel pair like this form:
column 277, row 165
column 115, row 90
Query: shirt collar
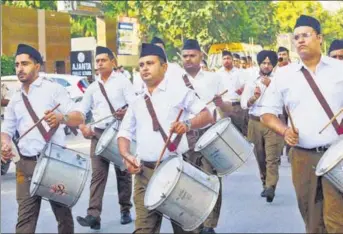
column 112, row 76
column 37, row 83
column 161, row 86
column 324, row 60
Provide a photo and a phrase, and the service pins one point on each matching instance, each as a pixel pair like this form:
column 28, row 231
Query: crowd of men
column 256, row 101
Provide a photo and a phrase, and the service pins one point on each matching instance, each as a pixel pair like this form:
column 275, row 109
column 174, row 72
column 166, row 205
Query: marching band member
column 207, row 85
column 36, row 98
column 295, row 86
column 268, row 145
column 336, row 49
column 148, row 119
column 107, row 95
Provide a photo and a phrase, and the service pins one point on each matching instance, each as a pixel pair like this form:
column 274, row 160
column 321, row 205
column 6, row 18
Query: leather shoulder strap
column 320, row 98
column 103, row 91
column 188, row 83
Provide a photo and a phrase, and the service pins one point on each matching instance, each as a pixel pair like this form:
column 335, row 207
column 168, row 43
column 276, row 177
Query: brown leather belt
column 320, row 149
column 235, row 103
column 32, row 158
column 150, row 165
column 253, row 117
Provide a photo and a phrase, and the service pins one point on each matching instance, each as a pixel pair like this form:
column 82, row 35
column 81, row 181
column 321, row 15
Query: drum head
column 211, row 134
column 163, row 182
column 106, row 137
column 330, row 158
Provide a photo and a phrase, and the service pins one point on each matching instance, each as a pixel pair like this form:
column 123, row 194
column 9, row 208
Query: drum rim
column 171, row 187
column 99, row 150
column 321, row 171
column 197, row 148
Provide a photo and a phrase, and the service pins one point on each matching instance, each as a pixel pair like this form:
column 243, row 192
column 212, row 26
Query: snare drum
column 331, row 165
column 61, row 167
column 182, row 192
column 224, row 147
column 107, row 146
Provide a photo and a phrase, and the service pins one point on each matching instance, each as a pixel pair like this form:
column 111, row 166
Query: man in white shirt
column 109, row 94
column 207, row 86
column 230, row 79
column 268, row 145
column 336, row 50
column 162, row 96
column 35, row 99
column 320, row 202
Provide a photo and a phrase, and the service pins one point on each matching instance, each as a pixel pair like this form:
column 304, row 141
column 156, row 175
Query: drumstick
column 221, row 94
column 39, row 121
column 290, row 118
column 95, row 122
column 331, row 120
column 167, row 142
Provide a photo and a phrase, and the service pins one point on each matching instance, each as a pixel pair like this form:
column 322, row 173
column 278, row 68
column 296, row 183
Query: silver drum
column 224, row 147
column 107, row 146
column 331, row 165
column 182, row 192
column 58, row 165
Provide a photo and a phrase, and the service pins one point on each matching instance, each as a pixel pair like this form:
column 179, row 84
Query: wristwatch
column 188, row 124
column 65, row 119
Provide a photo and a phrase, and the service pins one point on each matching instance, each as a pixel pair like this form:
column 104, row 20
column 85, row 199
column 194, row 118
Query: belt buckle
column 322, row 149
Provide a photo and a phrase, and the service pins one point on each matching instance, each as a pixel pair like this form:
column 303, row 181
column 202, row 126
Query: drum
column 107, row 146
column 224, row 147
column 60, row 167
column 182, row 192
column 331, row 165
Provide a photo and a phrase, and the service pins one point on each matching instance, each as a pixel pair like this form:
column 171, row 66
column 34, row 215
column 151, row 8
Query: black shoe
column 263, row 193
column 270, row 194
column 207, row 230
column 125, row 217
column 89, row 221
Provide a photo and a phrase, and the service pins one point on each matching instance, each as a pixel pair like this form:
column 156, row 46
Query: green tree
column 47, row 5
column 83, row 26
column 7, row 65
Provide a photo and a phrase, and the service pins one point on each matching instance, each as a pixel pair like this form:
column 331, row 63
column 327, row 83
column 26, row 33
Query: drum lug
column 163, row 196
column 58, row 155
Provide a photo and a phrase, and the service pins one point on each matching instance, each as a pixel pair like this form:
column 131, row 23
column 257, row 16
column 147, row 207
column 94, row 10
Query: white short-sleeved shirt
column 167, row 100
column 119, row 91
column 290, row 88
column 231, row 82
column 43, row 95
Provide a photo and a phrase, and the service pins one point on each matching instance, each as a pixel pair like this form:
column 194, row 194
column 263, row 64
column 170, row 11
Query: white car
column 75, row 85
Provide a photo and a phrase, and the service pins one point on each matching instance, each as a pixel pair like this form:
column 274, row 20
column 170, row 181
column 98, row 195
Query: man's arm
column 4, row 102
column 274, row 123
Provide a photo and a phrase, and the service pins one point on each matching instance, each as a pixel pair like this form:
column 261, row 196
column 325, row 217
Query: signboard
column 81, row 63
column 86, row 8
column 127, row 36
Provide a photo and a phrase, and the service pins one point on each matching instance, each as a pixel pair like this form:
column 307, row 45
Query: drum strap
column 322, row 101
column 46, row 135
column 103, row 91
column 157, row 126
column 190, row 86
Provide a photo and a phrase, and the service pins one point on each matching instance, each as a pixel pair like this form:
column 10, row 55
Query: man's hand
column 266, row 81
column 120, row 113
column 86, row 131
column 52, row 118
column 218, row 101
column 257, row 92
column 179, row 128
column 291, row 137
column 6, row 151
column 240, row 91
column 134, row 167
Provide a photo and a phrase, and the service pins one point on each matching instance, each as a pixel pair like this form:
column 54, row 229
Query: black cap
column 32, row 52
column 191, row 44
column 336, row 45
column 225, row 53
column 104, row 50
column 305, row 20
column 236, row 56
column 244, row 58
column 261, row 56
column 157, row 40
column 151, row 49
column 282, row 49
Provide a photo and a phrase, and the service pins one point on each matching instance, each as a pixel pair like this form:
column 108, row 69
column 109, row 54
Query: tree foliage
column 7, row 65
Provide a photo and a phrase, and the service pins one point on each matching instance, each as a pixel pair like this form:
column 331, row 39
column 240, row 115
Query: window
column 62, row 82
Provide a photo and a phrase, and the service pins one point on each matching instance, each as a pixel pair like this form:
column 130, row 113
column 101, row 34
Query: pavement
column 243, row 210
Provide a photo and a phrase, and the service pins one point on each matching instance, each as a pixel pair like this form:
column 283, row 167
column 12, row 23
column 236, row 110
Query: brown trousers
column 268, row 148
column 197, row 159
column 238, row 117
column 319, row 202
column 100, row 168
column 148, row 221
column 29, row 207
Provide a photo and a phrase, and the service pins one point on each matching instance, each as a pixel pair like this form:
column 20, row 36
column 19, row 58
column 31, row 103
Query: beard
column 192, row 68
column 266, row 73
column 228, row 66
